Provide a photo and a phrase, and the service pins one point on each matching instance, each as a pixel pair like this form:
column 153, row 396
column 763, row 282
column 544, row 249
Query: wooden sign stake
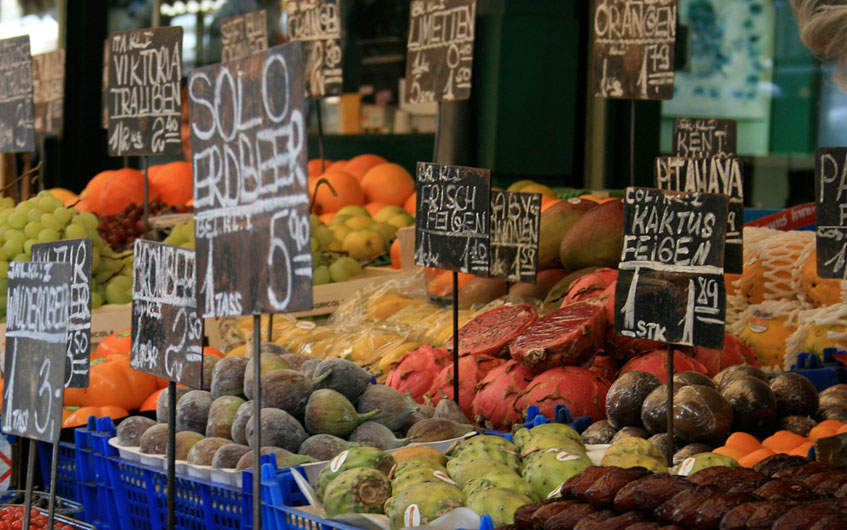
column 319, row 116
column 455, row 336
column 669, row 416
column 54, row 468
column 632, row 142
column 146, row 162
column 257, row 422
column 171, row 478
column 270, row 327
column 30, row 471
column 42, row 151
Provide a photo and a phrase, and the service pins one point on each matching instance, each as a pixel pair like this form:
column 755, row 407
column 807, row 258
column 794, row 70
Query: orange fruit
column 64, row 195
column 743, row 441
column 338, row 165
column 801, row 450
column 824, row 429
column 843, row 429
column 411, row 203
column 213, row 351
column 395, row 254
column 373, row 207
column 755, row 457
column 388, row 183
column 547, row 202
column 316, row 168
column 347, row 189
column 172, row 183
column 327, row 217
column 783, row 441
column 122, row 187
column 90, row 196
column 359, row 165
column 732, row 452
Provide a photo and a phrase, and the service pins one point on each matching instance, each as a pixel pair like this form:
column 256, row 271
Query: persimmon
column 347, row 192
column 359, row 165
column 388, row 183
column 755, row 457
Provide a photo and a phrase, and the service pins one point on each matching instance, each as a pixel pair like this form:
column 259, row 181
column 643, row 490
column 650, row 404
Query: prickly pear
column 461, row 470
column 360, row 490
column 499, row 503
column 421, row 504
column 351, row 459
column 551, row 468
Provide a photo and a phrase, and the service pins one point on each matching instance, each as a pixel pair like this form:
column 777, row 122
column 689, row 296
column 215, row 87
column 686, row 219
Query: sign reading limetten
column 251, row 200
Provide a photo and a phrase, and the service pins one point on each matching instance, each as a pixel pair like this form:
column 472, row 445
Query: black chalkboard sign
column 251, row 200
column 48, row 83
column 704, row 138
column 634, row 48
column 167, row 334
column 37, row 306
column 244, row 35
column 439, row 51
column 831, row 211
column 711, row 175
column 515, row 222
column 78, row 254
column 452, row 221
column 145, row 69
column 670, row 281
column 16, row 108
column 317, row 24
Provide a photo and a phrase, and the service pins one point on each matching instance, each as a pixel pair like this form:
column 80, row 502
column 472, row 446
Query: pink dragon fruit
column 417, row 371
column 583, row 391
column 567, row 336
column 656, row 363
column 491, row 332
column 472, row 370
column 592, row 286
column 606, row 367
column 734, row 352
column 496, row 394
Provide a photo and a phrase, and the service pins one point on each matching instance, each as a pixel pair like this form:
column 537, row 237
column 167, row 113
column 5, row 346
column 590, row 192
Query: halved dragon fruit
column 606, row 367
column 734, row 352
column 494, row 402
column 417, row 371
column 490, row 333
column 472, row 370
column 568, row 336
column 656, row 363
column 592, row 286
column 583, row 391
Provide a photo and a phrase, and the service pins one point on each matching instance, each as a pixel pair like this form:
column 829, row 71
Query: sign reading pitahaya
column 711, row 175
column 452, row 221
column 831, row 199
column 670, row 285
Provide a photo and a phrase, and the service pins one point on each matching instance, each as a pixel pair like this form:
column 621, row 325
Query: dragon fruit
column 734, row 352
column 592, row 286
column 472, row 370
column 494, row 402
column 620, row 347
column 568, row 336
column 583, row 391
column 490, row 333
column 606, row 367
column 417, row 371
column 656, row 363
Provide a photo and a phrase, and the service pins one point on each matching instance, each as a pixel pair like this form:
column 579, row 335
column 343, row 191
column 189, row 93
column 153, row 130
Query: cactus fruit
column 499, row 503
column 359, row 490
column 551, row 468
column 351, row 459
column 421, row 504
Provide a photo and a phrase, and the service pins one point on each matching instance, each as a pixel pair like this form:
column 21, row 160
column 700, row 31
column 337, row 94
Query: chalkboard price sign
column 831, row 199
column 145, row 68
column 251, row 200
column 439, row 52
column 48, row 82
column 17, row 132
column 711, row 175
column 317, row 24
column 515, row 222
column 634, row 48
column 78, row 254
column 452, row 221
column 704, row 138
column 244, row 35
column 670, row 281
column 37, row 308
column 167, row 334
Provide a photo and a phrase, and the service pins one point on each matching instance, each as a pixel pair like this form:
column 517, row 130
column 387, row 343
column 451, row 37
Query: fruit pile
column 780, row 492
column 312, row 410
column 122, row 228
column 12, row 518
column 488, row 474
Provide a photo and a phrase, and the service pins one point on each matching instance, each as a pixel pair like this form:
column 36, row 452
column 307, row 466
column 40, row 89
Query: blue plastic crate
column 823, row 373
column 67, row 478
column 97, row 491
